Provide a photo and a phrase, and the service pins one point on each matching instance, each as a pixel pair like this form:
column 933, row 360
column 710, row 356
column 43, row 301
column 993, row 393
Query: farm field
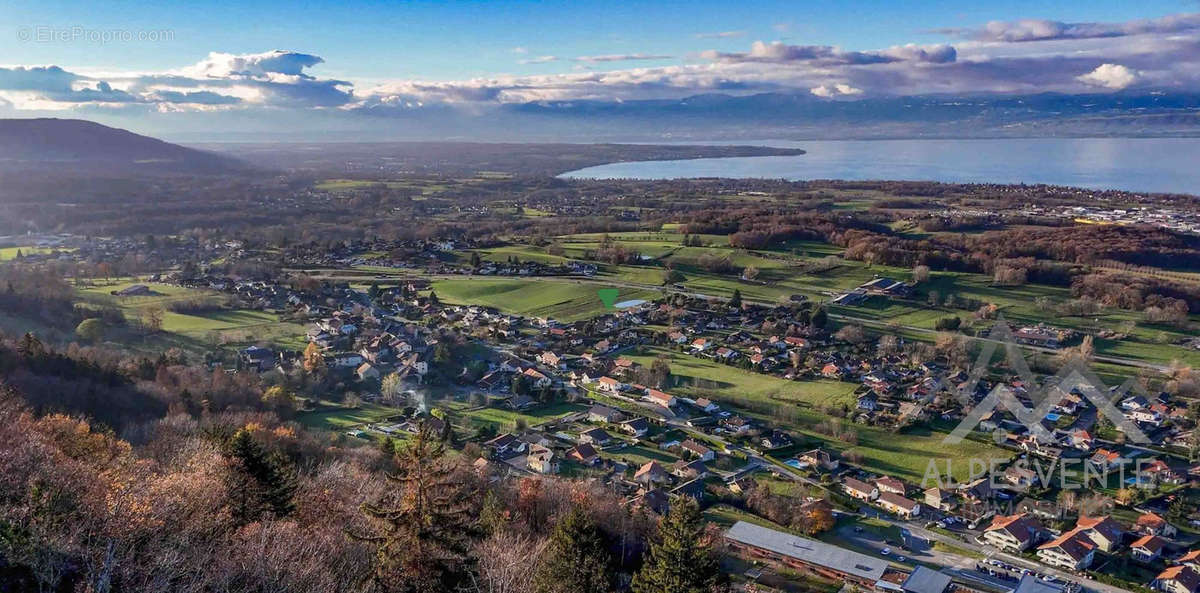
column 561, row 300
column 701, row 377
column 188, row 331
column 7, row 253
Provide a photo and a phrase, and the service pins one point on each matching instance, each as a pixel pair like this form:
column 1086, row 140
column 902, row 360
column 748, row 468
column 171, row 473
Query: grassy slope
column 564, row 301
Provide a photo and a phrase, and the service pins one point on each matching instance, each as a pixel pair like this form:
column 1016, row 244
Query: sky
column 126, row 59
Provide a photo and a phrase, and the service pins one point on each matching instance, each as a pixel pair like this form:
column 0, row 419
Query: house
column 638, row 427
column 540, row 381
column 608, row 384
column 831, row 371
column 1147, row 548
column 736, row 424
column 550, row 359
column 1177, row 579
column 600, row 413
column 700, row 344
column 665, row 400
column 899, row 505
column 693, row 489
column 541, row 460
column 698, row 450
column 256, row 357
column 860, row 490
column 1147, row 416
column 520, row 402
column 1020, row 477
column 366, row 371
column 1152, row 524
column 1014, row 533
column 1106, row 460
column 1192, row 559
column 1104, row 532
column 819, row 459
column 776, row 440
column 650, row 473
column 504, row 444
column 1072, row 550
column 595, row 436
column 937, row 498
column 892, row 485
column 1082, row 440
column 585, row 454
column 806, row 556
column 707, row 405
column 689, row 470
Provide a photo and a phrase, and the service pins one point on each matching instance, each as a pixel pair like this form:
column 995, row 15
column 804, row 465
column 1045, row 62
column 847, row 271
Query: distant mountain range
column 805, row 116
column 78, row 146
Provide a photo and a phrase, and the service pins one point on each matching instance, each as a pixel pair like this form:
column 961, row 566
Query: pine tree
column 259, row 483
column 388, row 446
column 433, row 298
column 820, row 318
column 679, row 562
column 577, row 559
column 424, row 523
column 736, row 300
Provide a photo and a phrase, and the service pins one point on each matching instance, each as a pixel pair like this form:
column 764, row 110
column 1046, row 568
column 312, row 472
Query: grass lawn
column 345, row 419
column 505, row 419
column 562, row 300
column 7, row 253
column 702, row 377
column 231, row 326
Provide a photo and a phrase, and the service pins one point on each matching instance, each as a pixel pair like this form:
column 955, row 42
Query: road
column 990, row 552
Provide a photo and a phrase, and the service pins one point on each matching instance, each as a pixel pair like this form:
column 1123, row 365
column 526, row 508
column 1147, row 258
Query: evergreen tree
column 259, row 483
column 388, row 446
column 820, row 318
column 476, row 261
column 424, row 523
column 433, row 298
column 736, row 300
column 373, row 291
column 577, row 558
column 679, row 562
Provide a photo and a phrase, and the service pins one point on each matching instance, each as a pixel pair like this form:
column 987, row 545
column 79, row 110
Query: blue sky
column 452, row 40
column 327, row 61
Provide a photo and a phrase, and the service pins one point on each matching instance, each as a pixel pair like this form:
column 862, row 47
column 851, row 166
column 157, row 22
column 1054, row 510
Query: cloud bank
column 1024, row 56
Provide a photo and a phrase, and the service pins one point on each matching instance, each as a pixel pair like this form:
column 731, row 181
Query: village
column 583, row 407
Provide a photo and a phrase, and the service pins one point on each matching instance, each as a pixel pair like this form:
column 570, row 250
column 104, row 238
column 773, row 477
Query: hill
column 84, row 146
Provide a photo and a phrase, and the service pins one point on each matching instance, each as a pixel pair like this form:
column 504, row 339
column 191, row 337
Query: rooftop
column 807, row 550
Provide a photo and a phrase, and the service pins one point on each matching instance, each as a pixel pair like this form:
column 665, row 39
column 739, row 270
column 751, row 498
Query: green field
column 7, row 253
column 561, row 300
column 192, row 331
column 345, row 418
column 701, row 377
column 505, row 419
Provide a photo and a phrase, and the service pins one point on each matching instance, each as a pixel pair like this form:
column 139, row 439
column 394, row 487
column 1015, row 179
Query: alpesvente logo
column 1075, row 377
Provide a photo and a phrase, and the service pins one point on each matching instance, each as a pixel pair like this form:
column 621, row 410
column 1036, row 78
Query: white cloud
column 721, row 35
column 622, row 58
column 835, row 90
column 540, row 60
column 1111, row 76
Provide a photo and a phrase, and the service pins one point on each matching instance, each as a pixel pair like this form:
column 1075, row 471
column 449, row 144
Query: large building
column 809, row 556
column 1014, row 533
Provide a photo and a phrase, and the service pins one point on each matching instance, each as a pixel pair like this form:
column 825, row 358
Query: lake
column 1134, row 164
